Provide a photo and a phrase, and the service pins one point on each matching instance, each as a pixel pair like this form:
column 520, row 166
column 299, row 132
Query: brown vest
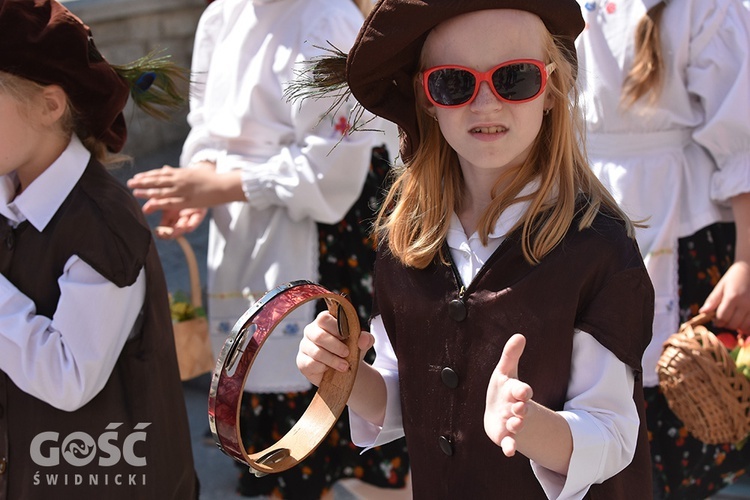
column 447, row 345
column 132, row 440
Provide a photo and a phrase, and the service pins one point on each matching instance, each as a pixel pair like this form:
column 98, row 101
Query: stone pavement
column 217, row 472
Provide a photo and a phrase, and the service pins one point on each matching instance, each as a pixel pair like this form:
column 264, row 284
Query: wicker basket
column 192, row 343
column 702, row 385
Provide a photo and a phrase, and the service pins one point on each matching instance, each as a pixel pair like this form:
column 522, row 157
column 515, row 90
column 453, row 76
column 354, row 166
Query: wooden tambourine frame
column 236, row 359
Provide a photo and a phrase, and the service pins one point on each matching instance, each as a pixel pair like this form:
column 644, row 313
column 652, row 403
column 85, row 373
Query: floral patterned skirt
column 685, row 468
column 347, row 255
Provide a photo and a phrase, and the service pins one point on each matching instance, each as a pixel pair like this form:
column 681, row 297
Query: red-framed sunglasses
column 516, row 81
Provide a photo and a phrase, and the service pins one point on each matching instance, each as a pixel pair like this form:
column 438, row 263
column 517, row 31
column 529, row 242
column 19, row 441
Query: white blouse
column 67, row 359
column 600, row 410
column 677, row 164
column 298, row 166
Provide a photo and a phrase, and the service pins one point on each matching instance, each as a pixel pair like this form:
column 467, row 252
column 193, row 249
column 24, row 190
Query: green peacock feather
column 153, row 81
column 325, row 77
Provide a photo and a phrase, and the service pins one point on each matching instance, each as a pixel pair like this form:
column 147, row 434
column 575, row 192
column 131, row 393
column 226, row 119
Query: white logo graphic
column 79, row 449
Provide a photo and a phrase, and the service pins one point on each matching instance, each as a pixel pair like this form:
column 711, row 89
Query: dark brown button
column 445, row 445
column 457, row 310
column 10, row 240
column 449, row 377
column 3, row 465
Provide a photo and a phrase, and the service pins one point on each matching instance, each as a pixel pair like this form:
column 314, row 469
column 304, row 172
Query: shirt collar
column 39, row 202
column 456, row 234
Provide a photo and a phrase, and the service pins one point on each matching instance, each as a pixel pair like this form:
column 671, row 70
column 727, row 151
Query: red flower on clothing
column 343, row 126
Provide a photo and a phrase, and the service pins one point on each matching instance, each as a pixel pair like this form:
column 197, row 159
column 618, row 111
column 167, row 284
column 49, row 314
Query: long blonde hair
column 647, row 73
column 24, row 91
column 415, row 215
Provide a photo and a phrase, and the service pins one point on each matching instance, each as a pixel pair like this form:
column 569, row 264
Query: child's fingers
column 166, row 232
column 520, row 391
column 152, row 178
column 366, row 341
column 310, row 368
column 194, row 220
column 514, row 425
column 508, row 364
column 326, row 321
column 156, row 204
column 156, row 192
column 323, row 333
column 189, row 220
column 325, row 348
column 321, row 349
column 712, row 301
column 519, row 409
column 162, row 183
column 319, row 354
column 508, row 444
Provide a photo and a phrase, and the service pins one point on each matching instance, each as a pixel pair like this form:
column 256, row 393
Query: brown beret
column 44, row 42
column 384, row 59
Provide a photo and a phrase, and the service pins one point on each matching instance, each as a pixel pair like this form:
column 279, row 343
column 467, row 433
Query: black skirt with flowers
column 347, row 255
column 685, row 468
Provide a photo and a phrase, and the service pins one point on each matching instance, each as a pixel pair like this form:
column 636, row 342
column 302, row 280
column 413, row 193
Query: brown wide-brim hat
column 42, row 41
column 381, row 64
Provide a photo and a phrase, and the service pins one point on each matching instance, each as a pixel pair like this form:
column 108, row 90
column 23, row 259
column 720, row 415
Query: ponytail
column 647, row 74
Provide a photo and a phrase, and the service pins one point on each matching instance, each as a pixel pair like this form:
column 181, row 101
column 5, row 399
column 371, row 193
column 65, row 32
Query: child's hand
column 731, row 298
column 507, row 398
column 175, row 223
column 169, row 188
column 321, row 348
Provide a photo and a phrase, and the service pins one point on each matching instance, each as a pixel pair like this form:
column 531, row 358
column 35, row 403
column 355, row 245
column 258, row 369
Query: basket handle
column 700, row 319
column 192, row 263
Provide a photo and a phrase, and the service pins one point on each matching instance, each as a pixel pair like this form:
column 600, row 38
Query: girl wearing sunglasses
column 511, row 305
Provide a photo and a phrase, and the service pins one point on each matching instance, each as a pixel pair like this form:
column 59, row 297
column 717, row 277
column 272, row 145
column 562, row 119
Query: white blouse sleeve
column 603, row 420
column 65, row 361
column 321, row 173
column 364, row 433
column 719, row 76
column 199, row 145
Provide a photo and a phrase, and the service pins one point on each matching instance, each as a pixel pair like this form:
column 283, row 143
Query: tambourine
column 236, row 359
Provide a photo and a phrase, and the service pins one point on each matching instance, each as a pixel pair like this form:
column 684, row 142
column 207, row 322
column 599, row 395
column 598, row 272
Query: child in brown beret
column 91, row 404
column 512, row 306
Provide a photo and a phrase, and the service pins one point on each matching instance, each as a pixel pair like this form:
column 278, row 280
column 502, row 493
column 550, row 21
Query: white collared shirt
column 66, row 360
column 600, row 410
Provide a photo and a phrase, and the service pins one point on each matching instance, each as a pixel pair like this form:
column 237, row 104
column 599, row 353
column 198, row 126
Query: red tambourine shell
column 236, row 359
